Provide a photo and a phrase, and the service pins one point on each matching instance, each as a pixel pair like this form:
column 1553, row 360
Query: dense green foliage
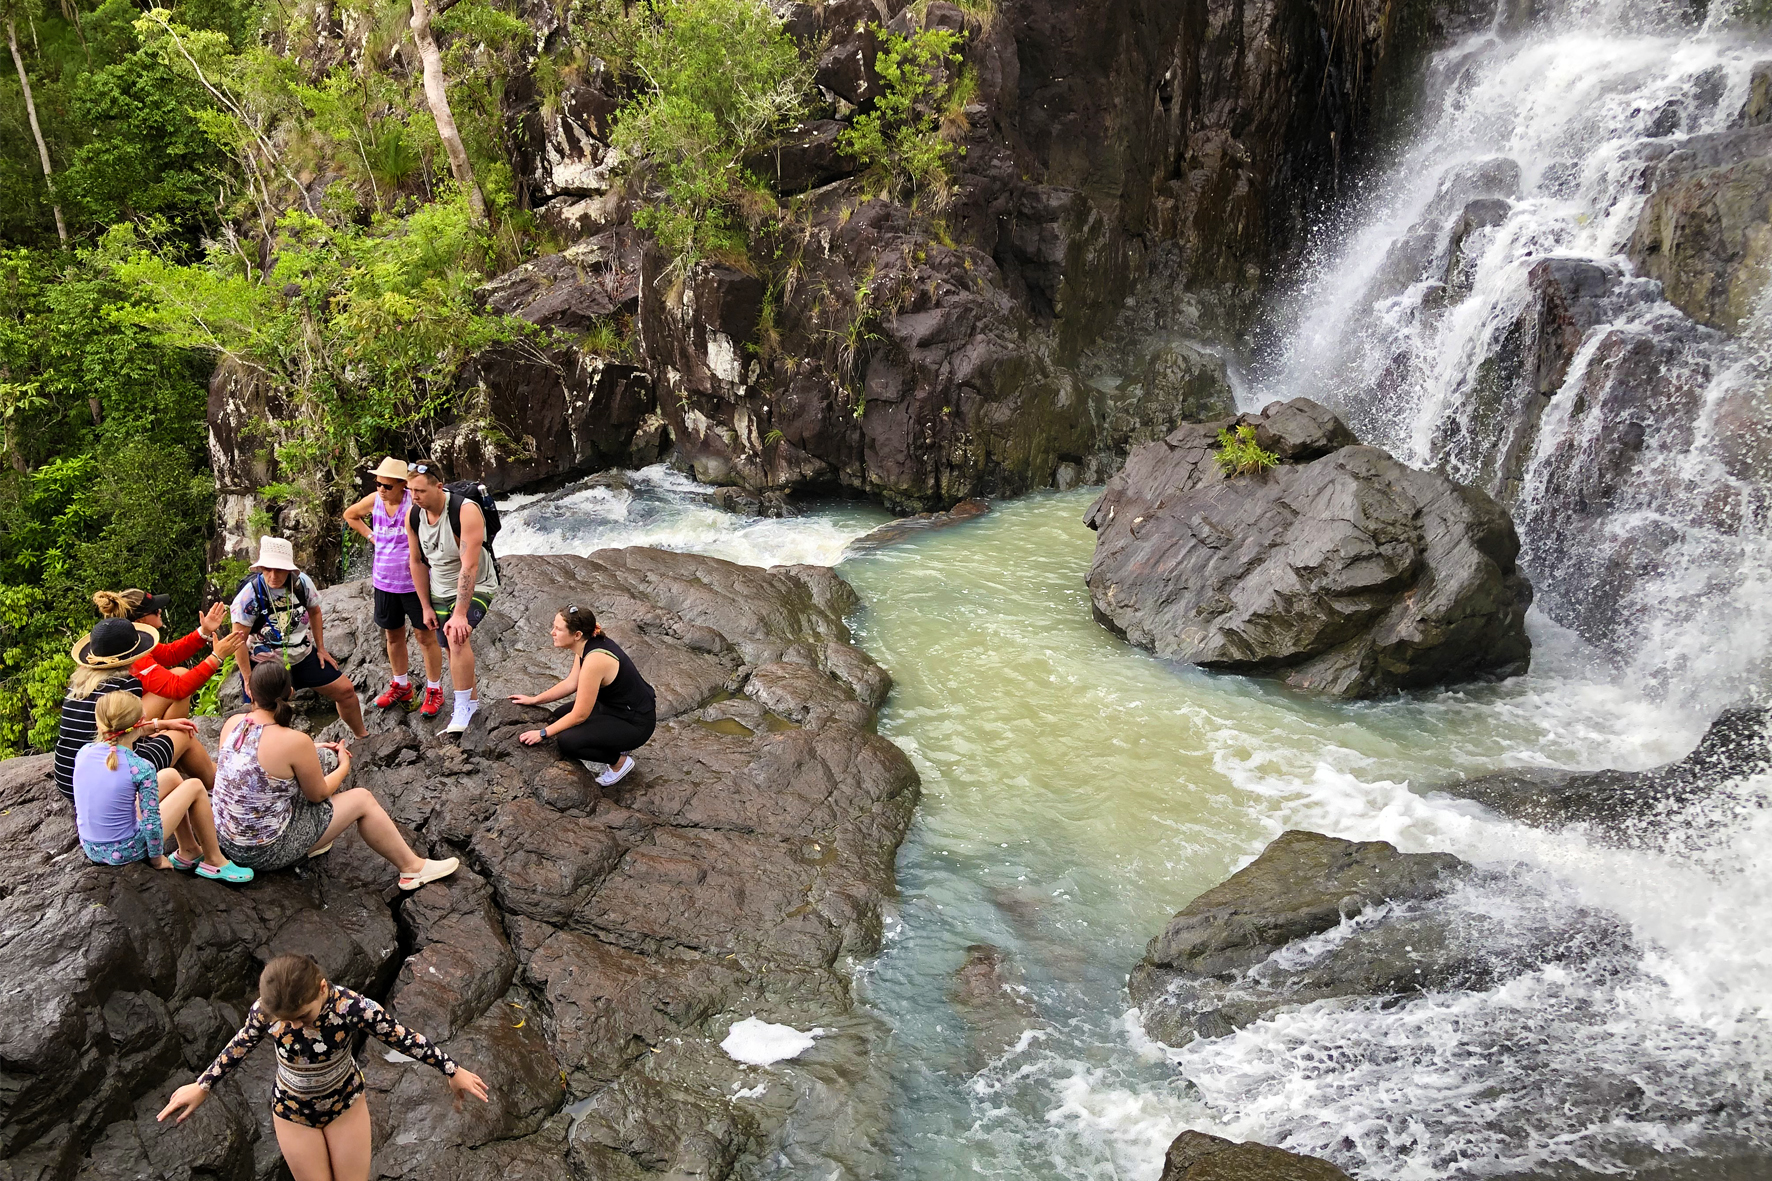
column 104, row 483
column 720, row 75
column 902, row 135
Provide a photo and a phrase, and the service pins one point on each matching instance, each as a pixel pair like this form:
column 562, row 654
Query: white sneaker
column 459, row 719
column 617, row 772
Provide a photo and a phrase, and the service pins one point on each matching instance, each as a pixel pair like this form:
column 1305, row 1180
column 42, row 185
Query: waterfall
column 1484, row 312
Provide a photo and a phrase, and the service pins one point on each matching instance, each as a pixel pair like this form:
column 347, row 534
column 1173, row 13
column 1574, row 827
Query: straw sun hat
column 391, row 469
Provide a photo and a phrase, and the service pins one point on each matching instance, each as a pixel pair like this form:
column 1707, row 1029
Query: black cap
column 152, row 605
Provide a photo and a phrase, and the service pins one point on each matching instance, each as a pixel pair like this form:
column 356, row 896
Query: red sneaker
column 433, row 702
column 396, row 693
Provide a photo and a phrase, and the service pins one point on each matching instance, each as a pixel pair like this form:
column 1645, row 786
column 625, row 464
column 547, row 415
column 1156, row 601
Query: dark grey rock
column 1704, row 227
column 1195, row 1156
column 595, row 944
column 1315, row 918
column 1341, row 570
column 1619, row 803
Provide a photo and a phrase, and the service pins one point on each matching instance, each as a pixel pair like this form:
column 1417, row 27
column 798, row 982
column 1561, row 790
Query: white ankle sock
column 433, row 684
column 464, row 700
column 402, row 679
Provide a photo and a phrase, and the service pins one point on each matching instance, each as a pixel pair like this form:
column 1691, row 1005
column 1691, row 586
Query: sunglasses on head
column 572, row 610
column 420, row 469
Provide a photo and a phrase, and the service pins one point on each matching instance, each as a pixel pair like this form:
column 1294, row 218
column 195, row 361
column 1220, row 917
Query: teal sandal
column 179, row 863
column 230, row 873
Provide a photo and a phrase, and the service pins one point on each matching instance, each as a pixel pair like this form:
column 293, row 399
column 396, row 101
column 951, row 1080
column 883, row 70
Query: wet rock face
column 1195, row 1156
column 1705, row 231
column 592, row 951
column 1629, row 806
column 1340, row 570
column 1316, row 918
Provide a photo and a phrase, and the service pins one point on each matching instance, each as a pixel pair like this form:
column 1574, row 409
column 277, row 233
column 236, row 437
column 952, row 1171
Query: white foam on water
column 759, row 1043
column 667, row 510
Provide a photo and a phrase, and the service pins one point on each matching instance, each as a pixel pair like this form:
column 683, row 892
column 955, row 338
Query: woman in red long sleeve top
column 159, row 670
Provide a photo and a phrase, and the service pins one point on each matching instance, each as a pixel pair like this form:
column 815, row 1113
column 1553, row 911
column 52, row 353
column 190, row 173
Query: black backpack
column 460, row 490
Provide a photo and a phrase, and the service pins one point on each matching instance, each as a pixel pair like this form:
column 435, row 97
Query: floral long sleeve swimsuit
column 317, row 1074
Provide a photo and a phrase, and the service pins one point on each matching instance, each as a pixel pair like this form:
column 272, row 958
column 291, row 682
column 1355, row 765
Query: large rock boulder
column 588, row 958
column 1195, row 1156
column 1630, row 806
column 1705, row 230
column 1404, row 924
column 1341, row 570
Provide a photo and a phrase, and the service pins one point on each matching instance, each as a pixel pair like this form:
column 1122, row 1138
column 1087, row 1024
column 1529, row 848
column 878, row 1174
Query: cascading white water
column 1078, row 792
column 1642, row 523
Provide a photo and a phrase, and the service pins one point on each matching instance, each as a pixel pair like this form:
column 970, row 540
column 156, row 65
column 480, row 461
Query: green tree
column 720, row 75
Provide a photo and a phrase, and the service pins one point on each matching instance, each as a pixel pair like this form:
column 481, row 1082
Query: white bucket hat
column 275, row 553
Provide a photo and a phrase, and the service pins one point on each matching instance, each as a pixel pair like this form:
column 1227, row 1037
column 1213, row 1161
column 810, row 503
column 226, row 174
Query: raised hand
column 229, row 645
column 190, row 1097
column 215, row 617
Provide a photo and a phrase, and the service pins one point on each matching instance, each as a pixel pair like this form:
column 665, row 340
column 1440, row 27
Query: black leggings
column 604, row 735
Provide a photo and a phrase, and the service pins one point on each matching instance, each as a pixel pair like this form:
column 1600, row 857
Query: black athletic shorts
column 398, row 608
column 307, row 673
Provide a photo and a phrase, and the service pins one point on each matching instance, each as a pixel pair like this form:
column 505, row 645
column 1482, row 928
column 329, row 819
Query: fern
column 1240, row 455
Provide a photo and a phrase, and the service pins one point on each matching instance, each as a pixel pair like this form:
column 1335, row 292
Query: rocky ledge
column 1341, row 570
column 1195, row 1156
column 587, row 960
column 1315, row 918
column 1629, row 806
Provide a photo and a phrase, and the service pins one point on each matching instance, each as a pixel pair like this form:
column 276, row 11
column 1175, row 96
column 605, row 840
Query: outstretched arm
column 563, row 687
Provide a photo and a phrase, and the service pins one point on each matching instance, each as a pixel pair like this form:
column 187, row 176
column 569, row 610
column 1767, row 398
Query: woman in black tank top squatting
column 614, row 712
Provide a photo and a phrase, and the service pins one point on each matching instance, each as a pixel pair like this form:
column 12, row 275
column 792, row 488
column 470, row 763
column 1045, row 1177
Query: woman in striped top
column 102, row 659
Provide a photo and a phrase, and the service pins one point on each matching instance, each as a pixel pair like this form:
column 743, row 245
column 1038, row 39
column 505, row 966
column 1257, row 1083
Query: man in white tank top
column 455, row 576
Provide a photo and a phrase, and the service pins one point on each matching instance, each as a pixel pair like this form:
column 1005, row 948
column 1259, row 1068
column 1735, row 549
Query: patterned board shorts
column 127, row 851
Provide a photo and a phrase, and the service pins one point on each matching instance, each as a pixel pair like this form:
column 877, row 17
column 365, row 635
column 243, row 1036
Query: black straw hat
column 115, row 643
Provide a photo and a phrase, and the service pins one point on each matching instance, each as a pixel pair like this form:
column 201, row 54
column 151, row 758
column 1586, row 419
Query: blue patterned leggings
column 129, row 849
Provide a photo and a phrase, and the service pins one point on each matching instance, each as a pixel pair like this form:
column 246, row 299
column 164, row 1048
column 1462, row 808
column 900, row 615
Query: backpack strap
column 412, row 522
column 261, row 602
column 455, row 499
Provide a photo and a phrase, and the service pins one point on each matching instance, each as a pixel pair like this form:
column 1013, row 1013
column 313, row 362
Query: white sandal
column 612, row 777
column 431, row 871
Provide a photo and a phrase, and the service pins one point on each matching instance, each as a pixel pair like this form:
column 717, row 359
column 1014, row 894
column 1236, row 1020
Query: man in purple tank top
column 380, row 518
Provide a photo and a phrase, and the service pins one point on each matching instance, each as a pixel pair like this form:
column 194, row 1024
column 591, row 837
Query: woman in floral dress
column 321, row 1127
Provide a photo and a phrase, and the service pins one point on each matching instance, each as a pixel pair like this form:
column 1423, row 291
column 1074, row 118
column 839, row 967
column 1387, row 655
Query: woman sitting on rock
column 615, row 709
column 167, row 687
column 102, row 659
column 122, row 805
column 274, row 806
column 321, row 1127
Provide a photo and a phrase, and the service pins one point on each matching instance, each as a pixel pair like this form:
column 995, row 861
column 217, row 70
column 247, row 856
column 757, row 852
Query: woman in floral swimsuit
column 321, row 1128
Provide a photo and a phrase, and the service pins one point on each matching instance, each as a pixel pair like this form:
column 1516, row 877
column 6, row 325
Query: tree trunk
column 24, row 81
column 437, row 97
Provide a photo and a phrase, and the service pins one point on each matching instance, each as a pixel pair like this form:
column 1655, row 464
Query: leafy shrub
column 721, row 76
column 1240, row 455
column 901, row 135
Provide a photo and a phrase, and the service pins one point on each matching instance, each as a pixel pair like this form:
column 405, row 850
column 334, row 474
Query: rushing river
column 1077, row 792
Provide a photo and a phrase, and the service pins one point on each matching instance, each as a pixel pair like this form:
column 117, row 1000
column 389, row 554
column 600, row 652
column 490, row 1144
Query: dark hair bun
column 272, row 690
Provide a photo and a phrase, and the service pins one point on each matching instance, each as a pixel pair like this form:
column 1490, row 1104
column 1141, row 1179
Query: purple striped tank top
column 391, row 572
